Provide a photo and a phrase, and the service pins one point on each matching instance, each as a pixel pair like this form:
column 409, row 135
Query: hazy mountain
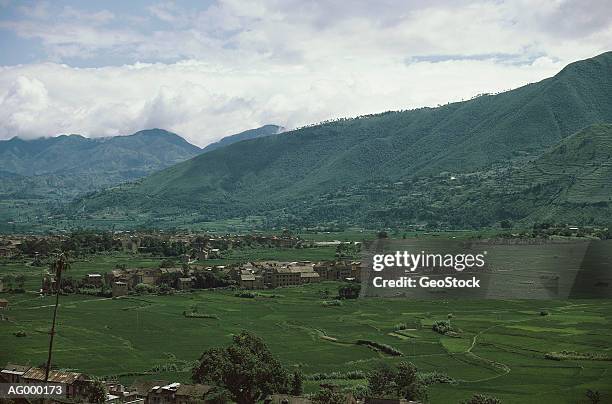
column 246, row 135
column 291, row 173
column 126, row 156
column 68, row 165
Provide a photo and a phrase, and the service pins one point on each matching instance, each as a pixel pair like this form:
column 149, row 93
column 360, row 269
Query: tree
column 381, row 380
column 349, row 291
column 167, row 263
column 218, row 395
column 20, row 280
column 482, row 399
column 399, row 382
column 246, row 369
column 407, row 383
column 296, row 383
column 8, row 281
column 96, row 393
column 593, row 396
column 328, row 396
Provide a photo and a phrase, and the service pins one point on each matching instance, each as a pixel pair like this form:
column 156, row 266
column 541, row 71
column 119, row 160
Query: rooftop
column 56, row 376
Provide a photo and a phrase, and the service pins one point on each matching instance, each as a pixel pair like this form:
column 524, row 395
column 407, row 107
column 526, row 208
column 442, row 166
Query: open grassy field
column 500, row 350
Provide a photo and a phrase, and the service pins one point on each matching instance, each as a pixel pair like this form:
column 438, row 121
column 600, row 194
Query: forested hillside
column 284, row 176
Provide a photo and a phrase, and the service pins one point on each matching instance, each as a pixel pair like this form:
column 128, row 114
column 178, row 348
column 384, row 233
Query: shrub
column 143, row 288
column 246, row 295
column 435, row 377
column 360, row 391
column 443, row 327
column 482, row 399
column 388, row 349
column 331, row 303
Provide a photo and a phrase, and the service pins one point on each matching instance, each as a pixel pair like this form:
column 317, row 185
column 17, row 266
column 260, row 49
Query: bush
column 443, row 327
column 246, row 295
column 388, row 349
column 331, row 303
column 143, row 288
column 350, row 375
column 435, row 377
column 20, row 334
column 482, row 399
column 360, row 391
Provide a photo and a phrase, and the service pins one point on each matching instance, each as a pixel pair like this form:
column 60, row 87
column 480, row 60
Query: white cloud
column 236, row 65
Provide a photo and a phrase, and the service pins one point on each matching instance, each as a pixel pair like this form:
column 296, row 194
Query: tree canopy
column 246, row 368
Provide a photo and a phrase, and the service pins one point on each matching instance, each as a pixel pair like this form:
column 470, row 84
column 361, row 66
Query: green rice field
column 500, row 350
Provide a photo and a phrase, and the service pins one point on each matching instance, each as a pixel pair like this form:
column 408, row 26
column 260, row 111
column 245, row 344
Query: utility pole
column 59, row 266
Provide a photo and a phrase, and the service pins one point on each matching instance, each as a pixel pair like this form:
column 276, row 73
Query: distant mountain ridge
column 129, row 156
column 263, row 131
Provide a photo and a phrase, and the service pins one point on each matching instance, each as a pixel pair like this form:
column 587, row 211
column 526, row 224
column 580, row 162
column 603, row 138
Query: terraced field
column 500, row 351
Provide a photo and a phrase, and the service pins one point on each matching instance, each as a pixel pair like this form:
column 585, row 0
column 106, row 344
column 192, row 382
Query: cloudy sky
column 206, row 69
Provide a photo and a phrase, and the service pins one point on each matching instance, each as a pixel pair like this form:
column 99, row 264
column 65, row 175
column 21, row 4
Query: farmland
column 499, row 351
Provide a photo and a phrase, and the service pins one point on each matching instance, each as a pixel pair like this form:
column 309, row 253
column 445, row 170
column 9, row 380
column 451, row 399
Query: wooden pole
column 59, row 268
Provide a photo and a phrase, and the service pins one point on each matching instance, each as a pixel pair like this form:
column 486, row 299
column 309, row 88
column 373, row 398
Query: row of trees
column 78, row 242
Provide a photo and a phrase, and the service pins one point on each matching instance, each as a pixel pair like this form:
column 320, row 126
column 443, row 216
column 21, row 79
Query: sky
column 207, row 69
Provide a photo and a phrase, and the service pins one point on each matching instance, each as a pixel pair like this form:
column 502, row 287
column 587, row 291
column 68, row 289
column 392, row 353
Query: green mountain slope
column 573, row 180
column 263, row 131
column 285, row 176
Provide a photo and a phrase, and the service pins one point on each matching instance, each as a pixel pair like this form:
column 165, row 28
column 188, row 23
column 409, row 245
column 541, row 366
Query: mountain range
column 69, row 165
column 342, row 171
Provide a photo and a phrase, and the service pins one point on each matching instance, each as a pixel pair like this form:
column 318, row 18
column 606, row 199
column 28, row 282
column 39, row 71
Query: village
column 250, row 276
column 184, row 262
column 184, row 267
column 78, row 388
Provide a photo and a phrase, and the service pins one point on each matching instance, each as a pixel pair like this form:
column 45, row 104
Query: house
column 247, row 280
column 93, row 279
column 120, row 289
column 371, row 400
column 309, row 277
column 149, row 276
column 3, row 304
column 334, row 271
column 140, row 388
column 162, row 394
column 9, row 251
column 177, row 393
column 12, row 373
column 279, row 277
column 191, row 393
column 286, row 399
column 184, row 283
column 75, row 385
